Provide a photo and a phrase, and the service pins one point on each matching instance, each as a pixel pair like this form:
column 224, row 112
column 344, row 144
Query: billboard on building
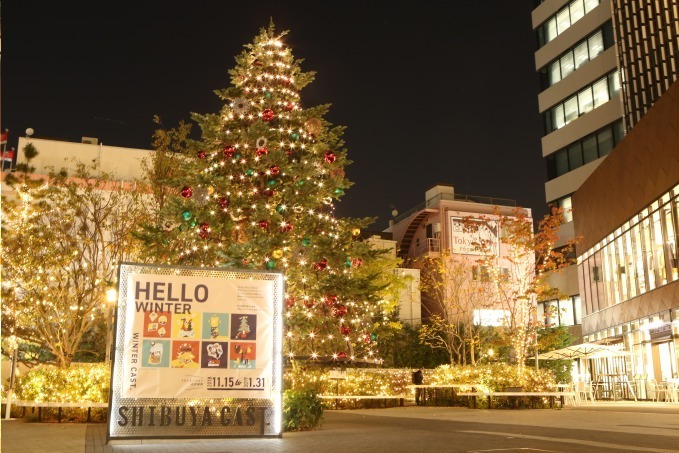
column 197, row 353
column 467, row 233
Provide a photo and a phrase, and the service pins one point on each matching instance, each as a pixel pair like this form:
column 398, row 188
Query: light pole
column 111, row 297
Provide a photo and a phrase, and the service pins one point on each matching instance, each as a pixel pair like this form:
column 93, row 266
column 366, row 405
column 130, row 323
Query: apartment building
column 437, row 226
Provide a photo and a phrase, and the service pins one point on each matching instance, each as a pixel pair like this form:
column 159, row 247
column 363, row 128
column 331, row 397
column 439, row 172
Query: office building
column 602, row 66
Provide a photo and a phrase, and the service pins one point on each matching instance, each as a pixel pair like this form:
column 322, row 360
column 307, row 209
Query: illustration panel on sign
column 243, row 326
column 214, row 354
column 156, row 353
column 185, row 354
column 243, row 355
column 156, row 325
column 215, row 326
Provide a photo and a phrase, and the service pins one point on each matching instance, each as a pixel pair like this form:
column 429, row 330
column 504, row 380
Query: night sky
column 430, row 92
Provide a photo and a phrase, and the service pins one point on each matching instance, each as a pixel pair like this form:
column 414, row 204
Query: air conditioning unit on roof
column 90, row 140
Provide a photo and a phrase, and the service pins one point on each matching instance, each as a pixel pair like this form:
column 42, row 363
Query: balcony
column 431, row 248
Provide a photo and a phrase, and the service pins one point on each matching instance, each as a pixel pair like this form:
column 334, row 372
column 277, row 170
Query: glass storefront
column 638, row 257
column 653, row 346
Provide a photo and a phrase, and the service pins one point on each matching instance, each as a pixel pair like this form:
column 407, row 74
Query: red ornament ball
column 290, row 302
column 263, row 224
column 357, row 262
column 268, row 114
column 329, row 157
column 202, row 154
column 229, row 151
column 321, row 265
column 341, row 355
column 205, row 226
column 274, row 170
column 268, row 192
column 223, row 202
column 345, row 330
column 286, row 228
column 339, row 311
column 259, row 152
column 289, row 107
column 330, row 299
column 187, row 192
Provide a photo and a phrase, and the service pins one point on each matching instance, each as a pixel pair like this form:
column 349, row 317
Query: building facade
column 628, row 216
column 436, row 228
column 602, row 65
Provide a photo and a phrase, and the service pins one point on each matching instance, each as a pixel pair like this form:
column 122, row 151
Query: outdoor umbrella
column 583, row 351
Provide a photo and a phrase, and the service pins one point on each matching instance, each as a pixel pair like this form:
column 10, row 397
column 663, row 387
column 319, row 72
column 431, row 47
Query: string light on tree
column 275, row 169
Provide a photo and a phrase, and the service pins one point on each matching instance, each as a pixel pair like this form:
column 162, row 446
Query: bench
column 436, row 392
column 533, row 395
column 58, row 405
column 354, row 398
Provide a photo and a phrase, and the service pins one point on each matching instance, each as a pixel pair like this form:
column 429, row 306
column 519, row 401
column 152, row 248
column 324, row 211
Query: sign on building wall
column 198, row 353
column 463, row 239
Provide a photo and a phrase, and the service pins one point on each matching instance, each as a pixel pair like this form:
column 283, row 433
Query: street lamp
column 111, row 298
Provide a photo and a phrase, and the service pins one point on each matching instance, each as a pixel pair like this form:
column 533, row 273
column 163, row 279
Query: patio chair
column 571, row 400
column 659, row 390
column 672, row 389
column 583, row 391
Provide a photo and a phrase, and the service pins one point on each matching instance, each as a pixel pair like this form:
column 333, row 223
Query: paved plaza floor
column 606, row 427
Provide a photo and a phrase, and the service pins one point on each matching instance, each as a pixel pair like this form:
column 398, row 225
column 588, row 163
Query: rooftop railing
column 455, row 197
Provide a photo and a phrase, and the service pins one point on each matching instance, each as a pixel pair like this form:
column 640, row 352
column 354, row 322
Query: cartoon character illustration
column 244, row 354
column 214, row 326
column 186, row 330
column 215, row 352
column 162, row 320
column 185, row 354
column 155, row 353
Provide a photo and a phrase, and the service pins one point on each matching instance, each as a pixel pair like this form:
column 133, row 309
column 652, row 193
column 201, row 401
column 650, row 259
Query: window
column 561, row 164
column 563, row 20
column 575, row 155
column 560, row 313
column 584, row 51
column 581, row 54
column 570, row 109
column 584, row 151
column 605, row 139
column 596, row 94
column 567, row 16
column 566, row 205
column 567, row 65
column 595, row 45
column 600, row 93
column 480, row 274
column 638, row 257
column 589, row 148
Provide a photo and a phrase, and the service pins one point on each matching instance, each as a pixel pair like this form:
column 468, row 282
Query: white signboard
column 191, row 335
column 464, row 240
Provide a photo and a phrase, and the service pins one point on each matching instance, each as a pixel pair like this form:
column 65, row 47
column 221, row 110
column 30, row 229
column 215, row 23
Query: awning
column 584, row 351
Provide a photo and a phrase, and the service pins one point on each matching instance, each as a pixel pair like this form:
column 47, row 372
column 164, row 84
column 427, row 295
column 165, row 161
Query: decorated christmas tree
column 258, row 191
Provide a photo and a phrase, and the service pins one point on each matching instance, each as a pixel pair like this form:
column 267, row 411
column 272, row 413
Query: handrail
column 455, row 197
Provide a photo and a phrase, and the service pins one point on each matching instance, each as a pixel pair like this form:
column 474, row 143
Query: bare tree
column 518, row 271
column 454, row 295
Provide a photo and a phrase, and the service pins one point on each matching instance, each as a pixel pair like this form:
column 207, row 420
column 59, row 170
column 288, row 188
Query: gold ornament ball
column 355, row 231
column 277, row 253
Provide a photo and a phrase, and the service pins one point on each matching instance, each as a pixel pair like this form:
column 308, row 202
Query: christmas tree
column 257, row 191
